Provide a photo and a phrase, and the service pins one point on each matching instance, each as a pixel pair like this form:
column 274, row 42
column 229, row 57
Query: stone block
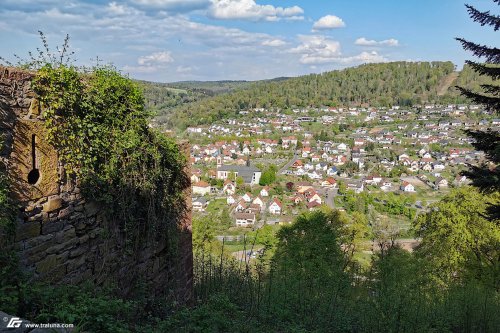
column 63, row 213
column 38, row 240
column 50, row 227
column 36, row 217
column 37, row 253
column 52, row 204
column 78, row 251
column 27, row 230
column 47, row 264
column 63, row 247
column 65, row 235
column 80, row 225
column 84, row 239
column 76, row 263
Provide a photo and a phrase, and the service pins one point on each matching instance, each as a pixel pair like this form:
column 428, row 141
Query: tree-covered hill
column 397, row 83
column 161, row 98
column 386, row 84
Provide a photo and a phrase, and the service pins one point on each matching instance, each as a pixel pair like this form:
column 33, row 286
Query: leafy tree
column 308, row 253
column 487, row 176
column 268, row 176
column 225, row 218
column 457, row 238
column 402, row 294
column 370, row 146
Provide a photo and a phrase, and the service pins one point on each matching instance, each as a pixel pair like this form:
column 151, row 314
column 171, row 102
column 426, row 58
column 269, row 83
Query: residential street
column 289, row 164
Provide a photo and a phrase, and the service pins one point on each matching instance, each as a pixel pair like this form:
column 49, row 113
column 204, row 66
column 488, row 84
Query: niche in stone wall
column 33, row 161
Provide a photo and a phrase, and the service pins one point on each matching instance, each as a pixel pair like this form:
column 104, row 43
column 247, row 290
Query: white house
column 329, row 182
column 258, row 201
column 386, row 186
column 242, row 205
column 342, row 146
column 357, row 187
column 438, row 167
column 275, row 207
column 264, row 192
column 407, row 187
column 441, row 183
column 229, row 187
column 199, row 204
column 247, row 197
column 230, row 200
column 201, row 188
column 245, row 219
column 308, row 166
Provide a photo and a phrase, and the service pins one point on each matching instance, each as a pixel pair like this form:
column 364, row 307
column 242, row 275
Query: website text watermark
column 15, row 322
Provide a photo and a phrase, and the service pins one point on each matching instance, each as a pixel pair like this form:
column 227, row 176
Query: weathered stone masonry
column 62, row 237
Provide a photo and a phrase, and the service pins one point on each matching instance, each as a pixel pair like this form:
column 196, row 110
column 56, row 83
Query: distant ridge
column 384, row 84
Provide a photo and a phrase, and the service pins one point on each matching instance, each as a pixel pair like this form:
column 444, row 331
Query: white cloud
column 117, row 9
column 370, row 42
column 140, row 69
column 317, row 49
column 328, row 22
column 274, row 42
column 250, row 10
column 158, row 44
column 174, row 5
column 363, row 58
column 157, row 58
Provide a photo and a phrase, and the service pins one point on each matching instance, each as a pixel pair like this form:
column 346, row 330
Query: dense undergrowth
column 306, row 280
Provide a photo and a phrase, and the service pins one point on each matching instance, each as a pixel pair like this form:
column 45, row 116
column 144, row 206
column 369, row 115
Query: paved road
column 289, row 164
column 329, row 195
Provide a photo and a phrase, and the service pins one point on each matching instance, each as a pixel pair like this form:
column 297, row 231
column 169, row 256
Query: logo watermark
column 16, row 322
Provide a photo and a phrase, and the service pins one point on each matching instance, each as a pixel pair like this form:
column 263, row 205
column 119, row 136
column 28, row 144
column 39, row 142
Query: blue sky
column 173, row 40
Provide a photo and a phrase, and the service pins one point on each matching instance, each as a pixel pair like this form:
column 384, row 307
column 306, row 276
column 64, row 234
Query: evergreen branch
column 491, row 89
column 491, row 103
column 484, row 18
column 493, row 72
column 484, row 178
column 492, row 55
column 487, row 141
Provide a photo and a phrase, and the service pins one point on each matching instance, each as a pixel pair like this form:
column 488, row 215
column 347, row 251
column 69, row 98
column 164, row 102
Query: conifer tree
column 487, row 176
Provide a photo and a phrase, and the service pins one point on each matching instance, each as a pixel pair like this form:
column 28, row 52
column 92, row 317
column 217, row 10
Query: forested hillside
column 165, row 95
column 397, row 83
column 161, row 98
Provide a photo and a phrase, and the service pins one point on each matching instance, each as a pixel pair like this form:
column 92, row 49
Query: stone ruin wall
column 61, row 237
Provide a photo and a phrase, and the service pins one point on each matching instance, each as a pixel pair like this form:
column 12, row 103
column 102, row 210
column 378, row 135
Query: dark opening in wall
column 34, row 174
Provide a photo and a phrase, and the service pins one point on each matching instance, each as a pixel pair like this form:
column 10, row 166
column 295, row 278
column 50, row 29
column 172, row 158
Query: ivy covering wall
column 97, row 122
